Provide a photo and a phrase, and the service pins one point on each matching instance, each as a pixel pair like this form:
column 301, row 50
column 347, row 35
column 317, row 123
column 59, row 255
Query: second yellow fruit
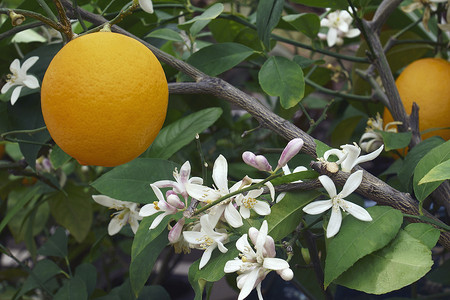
column 104, row 98
column 427, row 82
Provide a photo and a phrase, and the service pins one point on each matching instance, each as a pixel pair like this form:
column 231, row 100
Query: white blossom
column 337, row 202
column 19, row 78
column 349, row 156
column 339, row 26
column 146, row 5
column 127, row 212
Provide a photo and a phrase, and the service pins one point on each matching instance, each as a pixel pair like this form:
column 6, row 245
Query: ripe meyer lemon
column 427, row 82
column 104, row 98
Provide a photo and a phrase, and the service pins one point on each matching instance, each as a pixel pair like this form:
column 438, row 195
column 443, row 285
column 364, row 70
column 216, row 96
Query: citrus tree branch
column 372, row 187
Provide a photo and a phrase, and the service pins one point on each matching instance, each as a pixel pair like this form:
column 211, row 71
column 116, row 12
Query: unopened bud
column 175, row 201
column 292, row 148
column 257, row 161
column 286, row 274
column 306, row 256
column 16, row 19
column 175, row 232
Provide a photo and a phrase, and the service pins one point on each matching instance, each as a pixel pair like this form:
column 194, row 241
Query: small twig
column 64, row 20
column 18, row 29
column 322, row 117
column 33, row 15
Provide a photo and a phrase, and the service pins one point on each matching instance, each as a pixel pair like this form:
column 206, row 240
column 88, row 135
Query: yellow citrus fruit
column 427, row 82
column 104, row 98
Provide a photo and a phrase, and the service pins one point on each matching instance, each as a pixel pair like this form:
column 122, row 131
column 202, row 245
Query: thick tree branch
column 372, row 187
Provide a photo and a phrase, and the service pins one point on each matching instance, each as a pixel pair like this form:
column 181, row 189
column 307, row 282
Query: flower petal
column 262, row 208
column 352, row 183
column 157, row 220
column 244, row 211
column 148, row 210
column 318, row 207
column 249, row 283
column 29, row 63
column 134, row 224
column 232, row 216
column 115, row 225
column 15, row 94
column 335, row 152
column 193, row 237
column 31, row 82
column 232, row 266
column 15, row 66
column 206, row 255
column 220, row 174
column 6, row 87
column 146, row 6
column 357, row 211
column 335, row 222
column 275, row 263
column 328, row 184
column 331, row 37
column 370, row 156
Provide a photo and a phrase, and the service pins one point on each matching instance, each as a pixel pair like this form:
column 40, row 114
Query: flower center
column 12, row 77
column 155, row 203
column 205, row 242
column 339, row 203
column 249, row 202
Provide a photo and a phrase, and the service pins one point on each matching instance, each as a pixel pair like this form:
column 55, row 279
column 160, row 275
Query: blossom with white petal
column 371, row 139
column 19, row 78
column 127, row 212
column 181, row 179
column 337, row 202
column 169, row 207
column 339, row 26
column 252, row 266
column 287, row 171
column 208, row 195
column 249, row 201
column 146, row 5
column 349, row 156
column 206, row 239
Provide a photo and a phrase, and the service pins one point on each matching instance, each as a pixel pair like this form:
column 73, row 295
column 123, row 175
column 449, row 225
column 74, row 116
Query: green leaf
column 336, row 4
column 428, row 162
column 425, row 233
column 166, row 34
column 280, row 77
column 268, row 14
column 211, row 13
column 43, row 271
column 404, row 261
column 147, row 245
column 286, row 214
column 212, row 271
column 56, row 245
column 308, row 24
column 72, row 289
column 88, row 274
column 356, row 239
column 58, row 157
column 218, row 58
column 23, row 197
column 395, row 140
column 72, row 209
column 321, row 148
column 131, row 181
column 181, row 132
column 305, row 62
column 413, row 157
column 438, row 173
column 294, row 177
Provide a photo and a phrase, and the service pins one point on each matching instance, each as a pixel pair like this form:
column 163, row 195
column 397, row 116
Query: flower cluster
column 211, row 214
column 339, row 24
column 372, row 139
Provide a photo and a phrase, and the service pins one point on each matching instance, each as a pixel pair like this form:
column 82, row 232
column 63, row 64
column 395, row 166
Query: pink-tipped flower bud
column 291, row 150
column 175, row 201
column 286, row 274
column 175, row 232
column 257, row 161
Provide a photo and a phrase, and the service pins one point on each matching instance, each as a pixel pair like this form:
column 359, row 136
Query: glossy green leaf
column 425, row 233
column 280, row 77
column 147, row 245
column 286, row 214
column 321, row 148
column 404, row 261
column 341, row 4
column 268, row 15
column 166, row 34
column 44, row 270
column 395, row 140
column 131, row 181
column 56, row 245
column 211, row 13
column 407, row 170
column 181, row 132
column 88, row 274
column 73, row 288
column 218, row 58
column 212, row 271
column 308, row 24
column 72, row 209
column 356, row 239
column 438, row 173
column 58, row 157
column 433, row 158
column 294, row 177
